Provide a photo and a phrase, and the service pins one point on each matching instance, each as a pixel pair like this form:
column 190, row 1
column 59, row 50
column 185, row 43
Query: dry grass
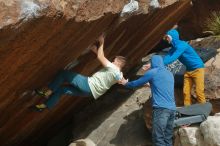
column 212, row 24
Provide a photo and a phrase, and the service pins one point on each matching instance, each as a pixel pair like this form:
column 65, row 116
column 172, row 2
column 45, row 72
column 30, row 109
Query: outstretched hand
column 147, row 85
column 123, row 81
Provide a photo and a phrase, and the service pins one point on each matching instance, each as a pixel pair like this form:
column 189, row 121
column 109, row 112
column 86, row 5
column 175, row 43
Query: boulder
column 83, row 142
column 189, row 136
column 212, row 83
column 211, row 130
column 207, row 134
column 192, row 26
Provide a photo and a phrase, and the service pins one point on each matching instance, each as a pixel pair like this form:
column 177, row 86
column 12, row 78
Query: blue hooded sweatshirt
column 162, row 84
column 184, row 52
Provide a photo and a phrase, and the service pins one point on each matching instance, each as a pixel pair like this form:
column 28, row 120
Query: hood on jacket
column 157, row 61
column 174, row 34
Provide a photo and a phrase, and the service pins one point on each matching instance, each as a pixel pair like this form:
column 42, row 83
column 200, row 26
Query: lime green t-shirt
column 102, row 80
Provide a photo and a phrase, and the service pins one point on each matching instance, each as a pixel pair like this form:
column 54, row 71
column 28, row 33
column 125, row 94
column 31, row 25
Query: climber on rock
column 194, row 66
column 83, row 86
column 163, row 102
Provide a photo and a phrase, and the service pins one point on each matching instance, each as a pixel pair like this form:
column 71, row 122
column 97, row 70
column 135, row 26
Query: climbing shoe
column 43, row 93
column 39, row 107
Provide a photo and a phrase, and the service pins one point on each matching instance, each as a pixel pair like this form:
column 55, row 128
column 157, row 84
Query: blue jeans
column 78, row 86
column 162, row 133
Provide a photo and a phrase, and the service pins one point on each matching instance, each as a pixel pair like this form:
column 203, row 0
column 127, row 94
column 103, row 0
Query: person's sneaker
column 39, row 107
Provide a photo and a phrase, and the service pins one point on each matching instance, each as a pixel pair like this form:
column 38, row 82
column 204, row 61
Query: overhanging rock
column 38, row 38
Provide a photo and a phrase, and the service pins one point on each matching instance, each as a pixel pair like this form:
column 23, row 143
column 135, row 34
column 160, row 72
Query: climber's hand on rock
column 93, row 48
column 101, row 39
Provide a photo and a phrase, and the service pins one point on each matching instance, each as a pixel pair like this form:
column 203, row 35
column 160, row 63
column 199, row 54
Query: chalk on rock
column 129, row 8
column 154, row 4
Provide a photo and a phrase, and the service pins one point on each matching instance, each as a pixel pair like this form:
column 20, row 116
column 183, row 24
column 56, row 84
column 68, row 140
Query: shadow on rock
column 133, row 132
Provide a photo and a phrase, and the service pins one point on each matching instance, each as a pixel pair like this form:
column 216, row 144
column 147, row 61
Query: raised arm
column 98, row 49
column 100, row 53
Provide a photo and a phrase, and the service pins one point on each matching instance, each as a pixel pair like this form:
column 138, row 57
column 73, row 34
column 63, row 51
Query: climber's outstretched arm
column 100, row 51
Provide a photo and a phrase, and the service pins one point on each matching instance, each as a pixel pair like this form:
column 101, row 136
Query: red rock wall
column 192, row 25
column 32, row 52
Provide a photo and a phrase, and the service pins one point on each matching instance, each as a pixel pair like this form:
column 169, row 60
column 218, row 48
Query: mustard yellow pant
column 196, row 77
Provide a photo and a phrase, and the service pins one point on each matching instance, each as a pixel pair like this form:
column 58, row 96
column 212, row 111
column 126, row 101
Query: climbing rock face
column 40, row 37
column 17, row 11
column 192, row 26
column 81, row 10
column 207, row 134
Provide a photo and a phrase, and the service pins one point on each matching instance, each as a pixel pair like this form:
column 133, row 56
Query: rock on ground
column 189, row 136
column 109, row 124
column 83, row 142
column 211, row 130
column 207, row 134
